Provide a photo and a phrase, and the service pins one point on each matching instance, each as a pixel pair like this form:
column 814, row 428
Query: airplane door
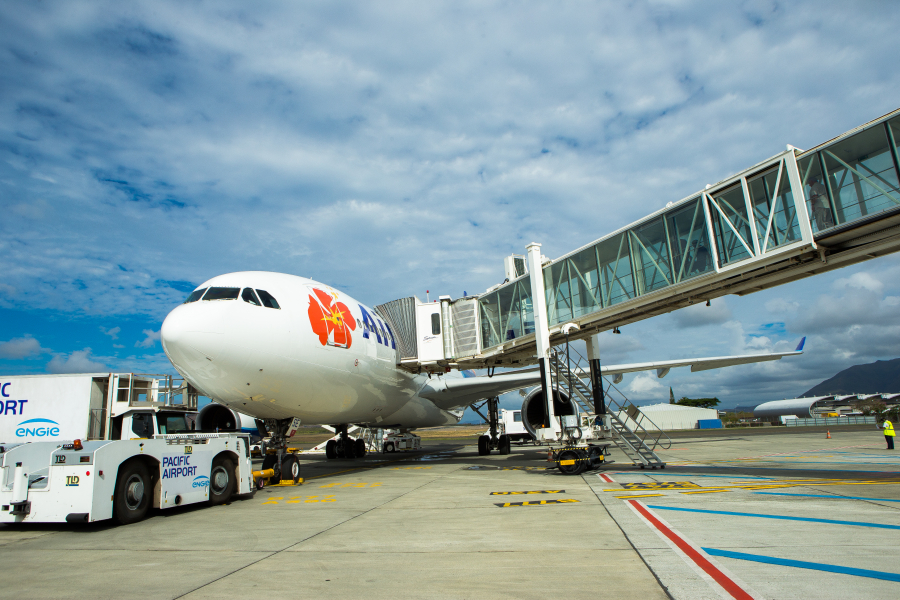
column 428, row 331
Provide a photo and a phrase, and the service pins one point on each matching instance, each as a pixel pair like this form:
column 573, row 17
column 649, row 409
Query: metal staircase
column 627, row 440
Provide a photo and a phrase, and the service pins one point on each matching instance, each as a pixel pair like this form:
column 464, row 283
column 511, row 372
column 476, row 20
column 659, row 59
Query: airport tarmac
column 733, row 515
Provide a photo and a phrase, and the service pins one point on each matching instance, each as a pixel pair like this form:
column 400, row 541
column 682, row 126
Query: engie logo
column 200, row 481
column 38, row 428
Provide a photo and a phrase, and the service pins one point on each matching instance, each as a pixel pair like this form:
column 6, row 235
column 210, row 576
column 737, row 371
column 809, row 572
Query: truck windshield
column 171, row 423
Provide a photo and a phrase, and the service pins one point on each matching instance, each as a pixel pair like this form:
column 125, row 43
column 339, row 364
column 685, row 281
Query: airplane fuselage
column 276, row 346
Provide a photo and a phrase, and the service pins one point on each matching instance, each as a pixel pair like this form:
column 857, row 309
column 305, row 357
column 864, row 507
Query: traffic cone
column 549, row 455
column 827, row 435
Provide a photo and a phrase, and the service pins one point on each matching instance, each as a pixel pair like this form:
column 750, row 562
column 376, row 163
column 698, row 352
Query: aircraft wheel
column 503, row 444
column 577, row 466
column 290, row 468
column 484, row 445
column 360, row 447
column 349, row 448
column 132, row 494
column 331, row 449
column 221, row 480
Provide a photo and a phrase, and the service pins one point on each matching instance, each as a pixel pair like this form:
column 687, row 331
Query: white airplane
column 279, row 347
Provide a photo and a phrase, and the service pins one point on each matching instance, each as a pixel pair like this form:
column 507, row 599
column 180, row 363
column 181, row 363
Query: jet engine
column 534, row 409
column 215, row 417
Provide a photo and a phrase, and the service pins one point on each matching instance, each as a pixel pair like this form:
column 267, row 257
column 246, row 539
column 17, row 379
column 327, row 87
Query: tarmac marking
column 800, row 564
column 778, row 517
column 531, row 492
column 706, row 492
column 301, row 499
column 606, row 478
column 536, row 503
column 692, row 554
column 406, row 468
column 657, row 485
column 351, row 485
column 640, row 496
column 829, row 496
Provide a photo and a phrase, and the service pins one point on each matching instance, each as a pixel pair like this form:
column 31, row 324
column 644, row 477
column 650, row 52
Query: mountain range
column 879, row 376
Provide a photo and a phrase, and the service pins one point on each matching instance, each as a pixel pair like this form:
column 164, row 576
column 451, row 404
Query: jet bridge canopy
column 796, row 214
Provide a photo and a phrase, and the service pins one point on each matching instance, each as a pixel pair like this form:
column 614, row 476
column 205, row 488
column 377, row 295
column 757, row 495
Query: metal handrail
column 580, row 371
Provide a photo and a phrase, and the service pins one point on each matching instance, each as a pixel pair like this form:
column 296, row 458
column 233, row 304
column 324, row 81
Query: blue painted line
column 669, row 472
column 829, row 496
column 741, row 467
column 800, row 564
column 779, row 517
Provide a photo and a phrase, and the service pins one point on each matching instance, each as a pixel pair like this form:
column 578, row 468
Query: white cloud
column 152, row 338
column 780, row 306
column 76, row 362
column 699, row 315
column 862, row 280
column 23, row 347
column 647, row 386
column 112, row 333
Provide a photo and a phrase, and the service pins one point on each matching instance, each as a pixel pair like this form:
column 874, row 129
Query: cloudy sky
column 389, row 148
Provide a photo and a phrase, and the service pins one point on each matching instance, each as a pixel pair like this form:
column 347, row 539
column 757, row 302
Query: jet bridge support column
column 542, row 334
column 593, row 352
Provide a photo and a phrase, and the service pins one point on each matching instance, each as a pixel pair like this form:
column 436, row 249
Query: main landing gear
column 285, row 465
column 345, row 446
column 500, row 442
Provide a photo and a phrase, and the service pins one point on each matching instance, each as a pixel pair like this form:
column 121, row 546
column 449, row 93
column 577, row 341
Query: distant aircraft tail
column 800, row 345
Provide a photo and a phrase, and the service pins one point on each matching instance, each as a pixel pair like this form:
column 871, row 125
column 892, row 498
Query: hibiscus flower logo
column 330, row 320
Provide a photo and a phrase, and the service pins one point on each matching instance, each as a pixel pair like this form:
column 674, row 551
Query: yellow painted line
column 705, row 492
column 537, row 503
column 641, row 496
column 532, row 492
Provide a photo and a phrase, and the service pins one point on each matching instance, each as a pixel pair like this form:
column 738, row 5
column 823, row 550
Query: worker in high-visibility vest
column 889, row 433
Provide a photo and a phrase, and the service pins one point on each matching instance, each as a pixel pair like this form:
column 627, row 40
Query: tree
column 671, row 396
column 699, row 402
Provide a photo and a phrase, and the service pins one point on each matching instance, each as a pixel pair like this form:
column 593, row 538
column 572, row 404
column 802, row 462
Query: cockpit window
column 248, row 295
column 195, row 295
column 267, row 299
column 222, row 293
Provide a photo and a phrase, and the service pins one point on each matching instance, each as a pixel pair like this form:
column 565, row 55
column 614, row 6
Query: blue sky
column 390, row 148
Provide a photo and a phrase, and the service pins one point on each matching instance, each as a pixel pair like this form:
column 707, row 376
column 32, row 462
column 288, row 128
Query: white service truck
column 82, row 448
column 510, row 423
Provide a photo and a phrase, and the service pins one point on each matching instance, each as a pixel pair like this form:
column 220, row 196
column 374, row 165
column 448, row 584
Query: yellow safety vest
column 889, row 429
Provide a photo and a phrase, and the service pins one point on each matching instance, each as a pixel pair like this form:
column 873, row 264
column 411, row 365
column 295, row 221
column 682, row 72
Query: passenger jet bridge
column 794, row 215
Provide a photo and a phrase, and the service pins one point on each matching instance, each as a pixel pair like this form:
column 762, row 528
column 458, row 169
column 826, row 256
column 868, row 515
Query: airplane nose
column 187, row 333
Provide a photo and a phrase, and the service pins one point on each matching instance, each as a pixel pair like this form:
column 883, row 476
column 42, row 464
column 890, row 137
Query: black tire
column 270, row 461
column 348, row 449
column 331, row 449
column 574, row 469
column 360, row 447
column 290, row 468
column 484, row 445
column 389, row 447
column 503, row 444
column 131, row 500
column 221, row 480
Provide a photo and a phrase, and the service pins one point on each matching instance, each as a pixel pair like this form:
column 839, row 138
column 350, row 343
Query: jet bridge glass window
column 222, row 293
column 861, row 175
column 435, row 324
column 732, row 225
column 195, row 295
column 267, row 299
column 689, row 240
column 249, row 296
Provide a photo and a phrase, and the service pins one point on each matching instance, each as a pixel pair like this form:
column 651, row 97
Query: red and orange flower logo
column 330, row 320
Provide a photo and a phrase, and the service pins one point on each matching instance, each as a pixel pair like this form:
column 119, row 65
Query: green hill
column 879, row 376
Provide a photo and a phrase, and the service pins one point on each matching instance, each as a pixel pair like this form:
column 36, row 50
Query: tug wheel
column 132, row 494
column 221, row 480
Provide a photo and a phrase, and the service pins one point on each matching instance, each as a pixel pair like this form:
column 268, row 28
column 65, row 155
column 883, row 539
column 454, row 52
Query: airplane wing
column 449, row 393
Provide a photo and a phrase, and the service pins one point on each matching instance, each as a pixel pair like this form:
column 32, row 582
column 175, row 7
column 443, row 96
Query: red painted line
column 607, row 478
column 710, row 569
